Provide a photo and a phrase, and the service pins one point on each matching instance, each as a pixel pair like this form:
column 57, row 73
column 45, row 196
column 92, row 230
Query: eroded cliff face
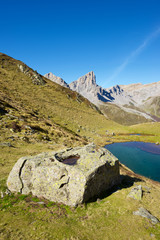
column 87, row 87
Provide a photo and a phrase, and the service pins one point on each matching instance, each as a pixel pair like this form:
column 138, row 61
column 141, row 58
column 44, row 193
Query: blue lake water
column 142, row 158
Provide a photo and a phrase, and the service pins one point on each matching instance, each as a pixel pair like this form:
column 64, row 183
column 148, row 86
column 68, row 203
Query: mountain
column 56, row 79
column 87, row 87
column 125, row 108
column 141, row 92
column 152, row 105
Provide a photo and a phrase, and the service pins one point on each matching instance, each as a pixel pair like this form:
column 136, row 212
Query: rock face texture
column 141, row 92
column 56, row 79
column 136, row 193
column 146, row 214
column 87, row 87
column 72, row 176
column 37, row 79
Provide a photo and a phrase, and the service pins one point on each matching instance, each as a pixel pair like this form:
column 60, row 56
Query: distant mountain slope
column 141, row 92
column 56, row 79
column 152, row 105
column 126, row 104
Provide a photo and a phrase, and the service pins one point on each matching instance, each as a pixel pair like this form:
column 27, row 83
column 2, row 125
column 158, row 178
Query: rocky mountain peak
column 87, row 87
column 116, row 89
column 56, row 79
column 90, row 77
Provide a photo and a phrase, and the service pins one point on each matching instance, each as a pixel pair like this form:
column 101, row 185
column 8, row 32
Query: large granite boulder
column 72, row 176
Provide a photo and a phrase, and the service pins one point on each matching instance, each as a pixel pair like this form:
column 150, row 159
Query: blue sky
column 117, row 39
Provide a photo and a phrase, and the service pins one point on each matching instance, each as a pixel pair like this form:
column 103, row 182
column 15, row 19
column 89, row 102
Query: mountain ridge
column 130, row 98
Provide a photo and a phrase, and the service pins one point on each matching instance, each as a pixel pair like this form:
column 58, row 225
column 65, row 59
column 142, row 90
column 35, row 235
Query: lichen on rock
column 71, row 176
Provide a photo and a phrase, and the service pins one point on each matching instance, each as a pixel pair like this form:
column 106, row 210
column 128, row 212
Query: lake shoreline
column 142, row 158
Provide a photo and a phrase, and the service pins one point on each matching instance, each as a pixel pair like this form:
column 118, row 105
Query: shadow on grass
column 126, row 181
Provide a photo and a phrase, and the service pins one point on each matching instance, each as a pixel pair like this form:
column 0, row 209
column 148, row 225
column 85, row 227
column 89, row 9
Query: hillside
column 48, row 101
column 152, row 105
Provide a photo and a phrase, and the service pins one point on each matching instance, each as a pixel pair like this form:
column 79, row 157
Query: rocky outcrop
column 87, row 87
column 56, row 79
column 37, row 79
column 146, row 214
column 72, row 176
column 136, row 193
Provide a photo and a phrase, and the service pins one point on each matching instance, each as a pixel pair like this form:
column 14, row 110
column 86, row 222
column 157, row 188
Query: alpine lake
column 142, row 158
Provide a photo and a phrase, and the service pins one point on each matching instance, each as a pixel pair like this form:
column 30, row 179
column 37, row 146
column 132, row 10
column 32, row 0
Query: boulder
column 146, row 214
column 136, row 193
column 71, row 176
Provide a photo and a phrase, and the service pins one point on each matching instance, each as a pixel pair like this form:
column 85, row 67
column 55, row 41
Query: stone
column 41, row 203
column 7, row 192
column 136, row 193
column 6, row 144
column 145, row 213
column 146, row 189
column 70, row 176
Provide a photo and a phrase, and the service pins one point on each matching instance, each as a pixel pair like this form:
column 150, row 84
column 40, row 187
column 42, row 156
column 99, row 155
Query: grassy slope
column 109, row 218
column 46, row 118
column 152, row 105
column 51, row 101
column 118, row 115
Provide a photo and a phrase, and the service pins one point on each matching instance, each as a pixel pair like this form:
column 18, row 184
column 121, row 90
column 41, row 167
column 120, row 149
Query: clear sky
column 117, row 39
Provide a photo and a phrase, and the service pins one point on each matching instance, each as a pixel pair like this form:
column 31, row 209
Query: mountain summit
column 56, row 79
column 87, row 87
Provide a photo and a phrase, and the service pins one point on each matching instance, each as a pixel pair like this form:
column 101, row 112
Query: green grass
column 120, row 116
column 110, row 218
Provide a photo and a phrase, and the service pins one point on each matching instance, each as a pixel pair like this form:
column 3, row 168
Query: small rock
column 41, row 203
column 152, row 235
column 11, row 138
column 7, row 192
column 6, row 144
column 146, row 189
column 157, row 143
column 136, row 193
column 145, row 213
column 2, row 194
